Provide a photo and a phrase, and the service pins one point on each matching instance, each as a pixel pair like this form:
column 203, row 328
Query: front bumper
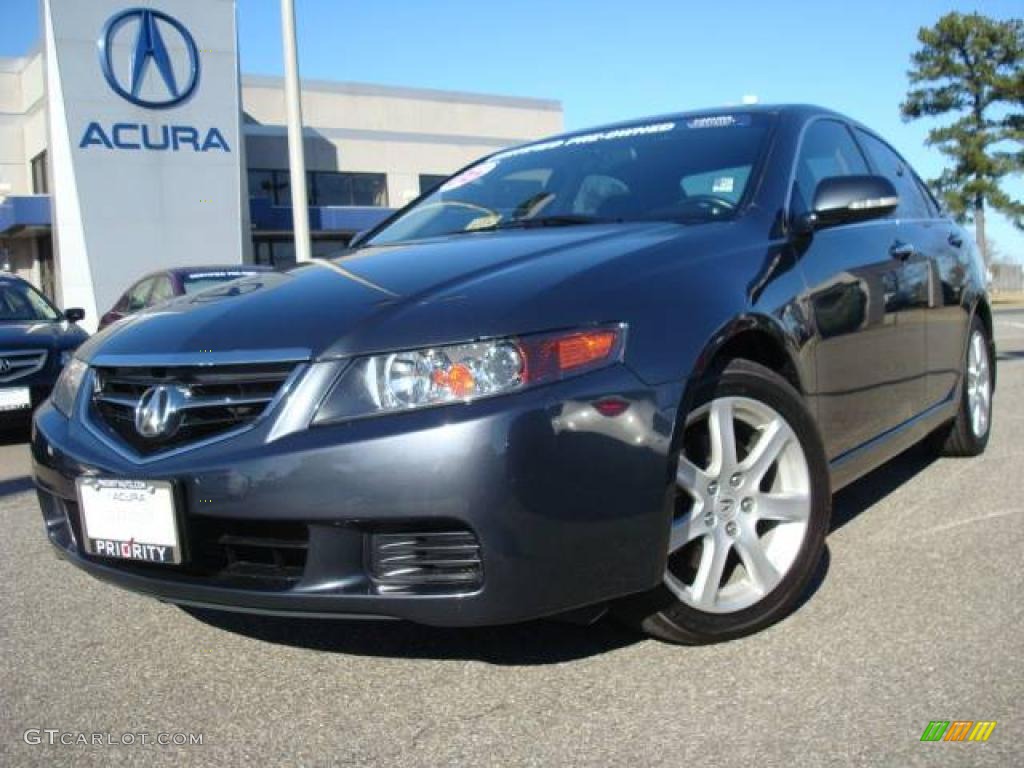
column 569, row 507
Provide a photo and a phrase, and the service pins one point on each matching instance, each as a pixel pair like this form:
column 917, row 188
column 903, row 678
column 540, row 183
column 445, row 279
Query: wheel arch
column 758, row 339
column 983, row 311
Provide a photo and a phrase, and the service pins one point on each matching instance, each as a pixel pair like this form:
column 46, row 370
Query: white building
column 101, row 183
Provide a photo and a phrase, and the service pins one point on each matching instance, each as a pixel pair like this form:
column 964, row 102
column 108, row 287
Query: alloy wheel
column 743, row 505
column 979, row 384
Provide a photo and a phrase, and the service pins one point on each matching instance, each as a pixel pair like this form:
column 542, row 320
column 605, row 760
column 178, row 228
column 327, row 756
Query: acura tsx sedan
column 623, row 368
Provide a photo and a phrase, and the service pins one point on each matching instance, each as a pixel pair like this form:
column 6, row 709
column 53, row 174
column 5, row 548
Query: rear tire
column 968, row 433
column 752, row 512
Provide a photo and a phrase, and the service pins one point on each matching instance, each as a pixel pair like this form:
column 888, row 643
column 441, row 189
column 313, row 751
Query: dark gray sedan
column 624, row 367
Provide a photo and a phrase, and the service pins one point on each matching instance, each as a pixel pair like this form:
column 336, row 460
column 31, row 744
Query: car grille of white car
column 18, row 363
column 221, row 400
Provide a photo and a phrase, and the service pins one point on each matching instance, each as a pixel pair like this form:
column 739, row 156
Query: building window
column 430, row 181
column 40, row 179
column 333, row 188
column 323, row 187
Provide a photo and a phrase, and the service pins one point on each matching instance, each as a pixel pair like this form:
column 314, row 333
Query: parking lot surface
column 917, row 616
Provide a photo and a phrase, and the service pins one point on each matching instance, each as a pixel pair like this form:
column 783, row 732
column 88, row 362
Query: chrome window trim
column 40, row 355
column 126, row 452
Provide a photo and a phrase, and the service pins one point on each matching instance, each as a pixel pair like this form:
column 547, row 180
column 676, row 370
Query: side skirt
column 858, row 461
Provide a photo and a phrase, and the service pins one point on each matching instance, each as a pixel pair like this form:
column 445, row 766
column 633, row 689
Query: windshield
column 200, row 281
column 21, row 303
column 687, row 169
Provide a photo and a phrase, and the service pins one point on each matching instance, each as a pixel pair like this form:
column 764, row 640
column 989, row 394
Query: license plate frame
column 131, row 520
column 15, row 399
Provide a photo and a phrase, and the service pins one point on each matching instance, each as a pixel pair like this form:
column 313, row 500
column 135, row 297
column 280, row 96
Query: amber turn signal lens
column 584, row 348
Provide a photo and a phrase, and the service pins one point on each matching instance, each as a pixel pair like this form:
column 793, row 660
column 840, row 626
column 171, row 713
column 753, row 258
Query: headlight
column 65, row 356
column 419, row 378
column 65, row 391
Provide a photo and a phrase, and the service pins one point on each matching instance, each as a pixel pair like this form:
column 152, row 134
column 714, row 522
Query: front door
column 869, row 350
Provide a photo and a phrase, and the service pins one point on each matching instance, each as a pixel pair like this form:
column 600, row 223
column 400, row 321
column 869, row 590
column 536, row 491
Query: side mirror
column 74, row 314
column 843, row 199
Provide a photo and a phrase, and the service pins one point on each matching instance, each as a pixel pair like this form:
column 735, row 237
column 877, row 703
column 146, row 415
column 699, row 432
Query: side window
column 162, row 290
column 827, row 150
column 889, row 164
column 138, row 294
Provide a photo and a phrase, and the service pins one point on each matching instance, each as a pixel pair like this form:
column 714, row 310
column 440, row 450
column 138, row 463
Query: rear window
column 194, row 282
column 685, row 169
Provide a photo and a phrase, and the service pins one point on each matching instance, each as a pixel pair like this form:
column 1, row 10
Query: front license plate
column 129, row 519
column 15, row 398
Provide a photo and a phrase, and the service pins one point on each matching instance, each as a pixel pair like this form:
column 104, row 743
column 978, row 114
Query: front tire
column 753, row 507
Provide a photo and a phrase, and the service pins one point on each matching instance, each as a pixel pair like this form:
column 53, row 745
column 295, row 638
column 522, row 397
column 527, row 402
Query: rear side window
column 827, row 150
column 162, row 290
column 138, row 294
column 889, row 164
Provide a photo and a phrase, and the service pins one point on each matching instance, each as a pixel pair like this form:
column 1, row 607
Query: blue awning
column 342, row 219
column 20, row 211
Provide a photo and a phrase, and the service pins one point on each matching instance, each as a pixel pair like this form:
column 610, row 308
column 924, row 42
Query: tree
column 972, row 67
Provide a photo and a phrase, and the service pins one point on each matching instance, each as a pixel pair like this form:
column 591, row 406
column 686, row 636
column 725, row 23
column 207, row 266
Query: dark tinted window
column 261, row 185
column 20, row 303
column 430, row 181
column 40, row 176
column 827, row 150
column 889, row 164
column 331, row 188
column 685, row 169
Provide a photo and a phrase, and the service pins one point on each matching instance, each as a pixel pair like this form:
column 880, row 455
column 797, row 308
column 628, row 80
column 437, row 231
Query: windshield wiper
column 555, row 220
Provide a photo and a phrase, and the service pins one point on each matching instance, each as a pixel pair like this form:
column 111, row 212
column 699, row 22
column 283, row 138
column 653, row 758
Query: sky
column 608, row 61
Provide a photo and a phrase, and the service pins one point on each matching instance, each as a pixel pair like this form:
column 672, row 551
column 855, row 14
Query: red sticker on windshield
column 469, row 176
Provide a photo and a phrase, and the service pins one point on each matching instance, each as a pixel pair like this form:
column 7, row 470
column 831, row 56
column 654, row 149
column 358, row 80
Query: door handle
column 902, row 251
column 955, row 240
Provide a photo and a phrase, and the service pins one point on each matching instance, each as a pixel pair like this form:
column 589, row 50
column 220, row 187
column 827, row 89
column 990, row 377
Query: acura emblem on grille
column 5, row 365
column 160, row 410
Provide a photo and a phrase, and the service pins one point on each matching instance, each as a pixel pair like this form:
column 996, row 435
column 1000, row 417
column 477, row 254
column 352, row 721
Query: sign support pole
column 296, row 153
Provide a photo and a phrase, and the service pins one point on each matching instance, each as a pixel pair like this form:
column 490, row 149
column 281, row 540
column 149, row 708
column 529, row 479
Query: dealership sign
column 150, row 57
column 144, row 113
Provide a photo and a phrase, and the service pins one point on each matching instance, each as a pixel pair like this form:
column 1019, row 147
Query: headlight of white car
column 458, row 373
column 65, row 391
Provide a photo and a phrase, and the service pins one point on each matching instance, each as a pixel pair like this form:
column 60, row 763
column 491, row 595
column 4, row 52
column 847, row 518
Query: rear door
column 868, row 357
column 938, row 271
column 922, row 240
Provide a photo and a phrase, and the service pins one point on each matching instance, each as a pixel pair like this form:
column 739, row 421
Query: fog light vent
column 425, row 561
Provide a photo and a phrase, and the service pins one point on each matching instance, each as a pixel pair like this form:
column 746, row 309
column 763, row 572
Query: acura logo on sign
column 160, row 410
column 158, row 67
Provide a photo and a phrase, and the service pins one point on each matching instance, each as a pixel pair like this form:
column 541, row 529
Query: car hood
column 60, row 335
column 392, row 297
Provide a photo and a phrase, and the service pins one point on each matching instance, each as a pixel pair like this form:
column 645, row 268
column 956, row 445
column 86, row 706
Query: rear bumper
column 569, row 507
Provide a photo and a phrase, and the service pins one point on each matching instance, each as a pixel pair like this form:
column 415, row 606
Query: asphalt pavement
column 916, row 616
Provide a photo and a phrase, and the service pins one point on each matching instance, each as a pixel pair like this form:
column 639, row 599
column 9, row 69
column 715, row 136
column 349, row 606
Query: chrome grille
column 220, row 399
column 18, row 363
